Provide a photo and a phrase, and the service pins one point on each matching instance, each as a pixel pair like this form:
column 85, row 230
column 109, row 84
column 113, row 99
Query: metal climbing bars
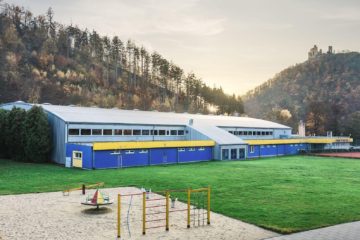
column 157, row 209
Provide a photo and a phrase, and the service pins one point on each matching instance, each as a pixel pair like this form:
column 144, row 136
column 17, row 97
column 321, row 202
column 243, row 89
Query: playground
column 54, row 216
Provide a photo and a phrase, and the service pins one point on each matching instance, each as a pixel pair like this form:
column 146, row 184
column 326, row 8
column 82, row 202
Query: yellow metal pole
column 144, row 213
column 119, row 217
column 188, row 207
column 167, row 211
column 208, row 206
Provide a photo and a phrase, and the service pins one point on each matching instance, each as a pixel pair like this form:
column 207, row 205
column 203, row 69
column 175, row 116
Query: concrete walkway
column 346, row 231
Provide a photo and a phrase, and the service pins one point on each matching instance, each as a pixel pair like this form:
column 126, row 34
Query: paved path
column 346, row 231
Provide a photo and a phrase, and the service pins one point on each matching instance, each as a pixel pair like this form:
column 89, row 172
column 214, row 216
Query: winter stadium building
column 97, row 138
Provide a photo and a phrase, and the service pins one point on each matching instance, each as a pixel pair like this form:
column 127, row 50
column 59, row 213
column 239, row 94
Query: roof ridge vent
column 191, row 121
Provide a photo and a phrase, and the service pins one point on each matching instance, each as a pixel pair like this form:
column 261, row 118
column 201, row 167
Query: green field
column 284, row 194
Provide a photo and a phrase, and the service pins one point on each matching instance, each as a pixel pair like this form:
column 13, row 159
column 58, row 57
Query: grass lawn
column 284, row 194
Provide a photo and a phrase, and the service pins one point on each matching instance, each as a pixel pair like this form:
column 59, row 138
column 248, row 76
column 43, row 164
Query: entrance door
column 77, row 159
column 233, row 153
column 225, row 154
column 241, row 153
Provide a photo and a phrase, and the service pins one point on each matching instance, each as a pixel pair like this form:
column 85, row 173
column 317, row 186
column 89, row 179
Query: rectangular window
column 77, row 154
column 250, row 133
column 136, row 132
column 154, row 132
column 191, row 149
column 201, row 149
column 85, row 132
column 252, row 149
column 145, row 132
column 161, row 132
column 127, row 132
column 173, row 132
column 74, row 131
column 245, row 133
column 181, row 132
column 258, row 133
column 262, row 133
column 254, row 133
column 241, row 133
column 143, row 151
column 118, row 132
column 107, row 132
column 167, row 132
column 129, row 151
column 96, row 131
column 181, row 149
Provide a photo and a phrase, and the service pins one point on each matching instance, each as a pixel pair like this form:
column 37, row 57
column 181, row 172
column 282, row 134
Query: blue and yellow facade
column 102, row 155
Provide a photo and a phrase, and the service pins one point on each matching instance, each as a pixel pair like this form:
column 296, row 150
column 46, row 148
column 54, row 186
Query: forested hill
column 44, row 61
column 324, row 92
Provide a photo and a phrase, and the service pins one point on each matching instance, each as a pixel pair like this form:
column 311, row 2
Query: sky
column 235, row 44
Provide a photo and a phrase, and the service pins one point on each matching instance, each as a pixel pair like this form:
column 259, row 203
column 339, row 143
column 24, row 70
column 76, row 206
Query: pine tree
column 37, row 141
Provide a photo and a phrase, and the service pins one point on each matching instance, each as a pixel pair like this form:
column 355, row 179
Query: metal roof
column 118, row 116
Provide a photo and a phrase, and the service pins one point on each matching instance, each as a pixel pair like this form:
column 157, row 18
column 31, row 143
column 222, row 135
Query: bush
column 3, row 117
column 37, row 135
column 15, row 134
column 25, row 136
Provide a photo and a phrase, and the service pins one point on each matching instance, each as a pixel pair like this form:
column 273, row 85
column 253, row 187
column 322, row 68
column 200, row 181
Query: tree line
column 25, row 135
column 42, row 60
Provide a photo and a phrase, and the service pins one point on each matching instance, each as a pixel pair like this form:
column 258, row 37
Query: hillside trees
column 44, row 61
column 323, row 92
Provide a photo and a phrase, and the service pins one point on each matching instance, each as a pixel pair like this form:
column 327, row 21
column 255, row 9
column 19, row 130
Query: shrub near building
column 37, row 135
column 25, row 136
column 3, row 116
column 15, row 134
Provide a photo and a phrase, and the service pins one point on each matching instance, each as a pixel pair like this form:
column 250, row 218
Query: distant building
column 315, row 52
column 330, row 50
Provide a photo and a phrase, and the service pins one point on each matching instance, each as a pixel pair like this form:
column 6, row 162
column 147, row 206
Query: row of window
column 146, row 151
column 251, row 133
column 124, row 132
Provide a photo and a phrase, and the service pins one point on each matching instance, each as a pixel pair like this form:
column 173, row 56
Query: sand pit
column 54, row 216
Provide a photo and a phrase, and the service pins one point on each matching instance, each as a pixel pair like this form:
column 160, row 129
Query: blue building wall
column 275, row 150
column 144, row 157
column 87, row 154
column 200, row 154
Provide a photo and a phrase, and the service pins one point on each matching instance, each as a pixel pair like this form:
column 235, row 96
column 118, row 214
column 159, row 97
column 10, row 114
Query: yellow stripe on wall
column 151, row 144
column 297, row 140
